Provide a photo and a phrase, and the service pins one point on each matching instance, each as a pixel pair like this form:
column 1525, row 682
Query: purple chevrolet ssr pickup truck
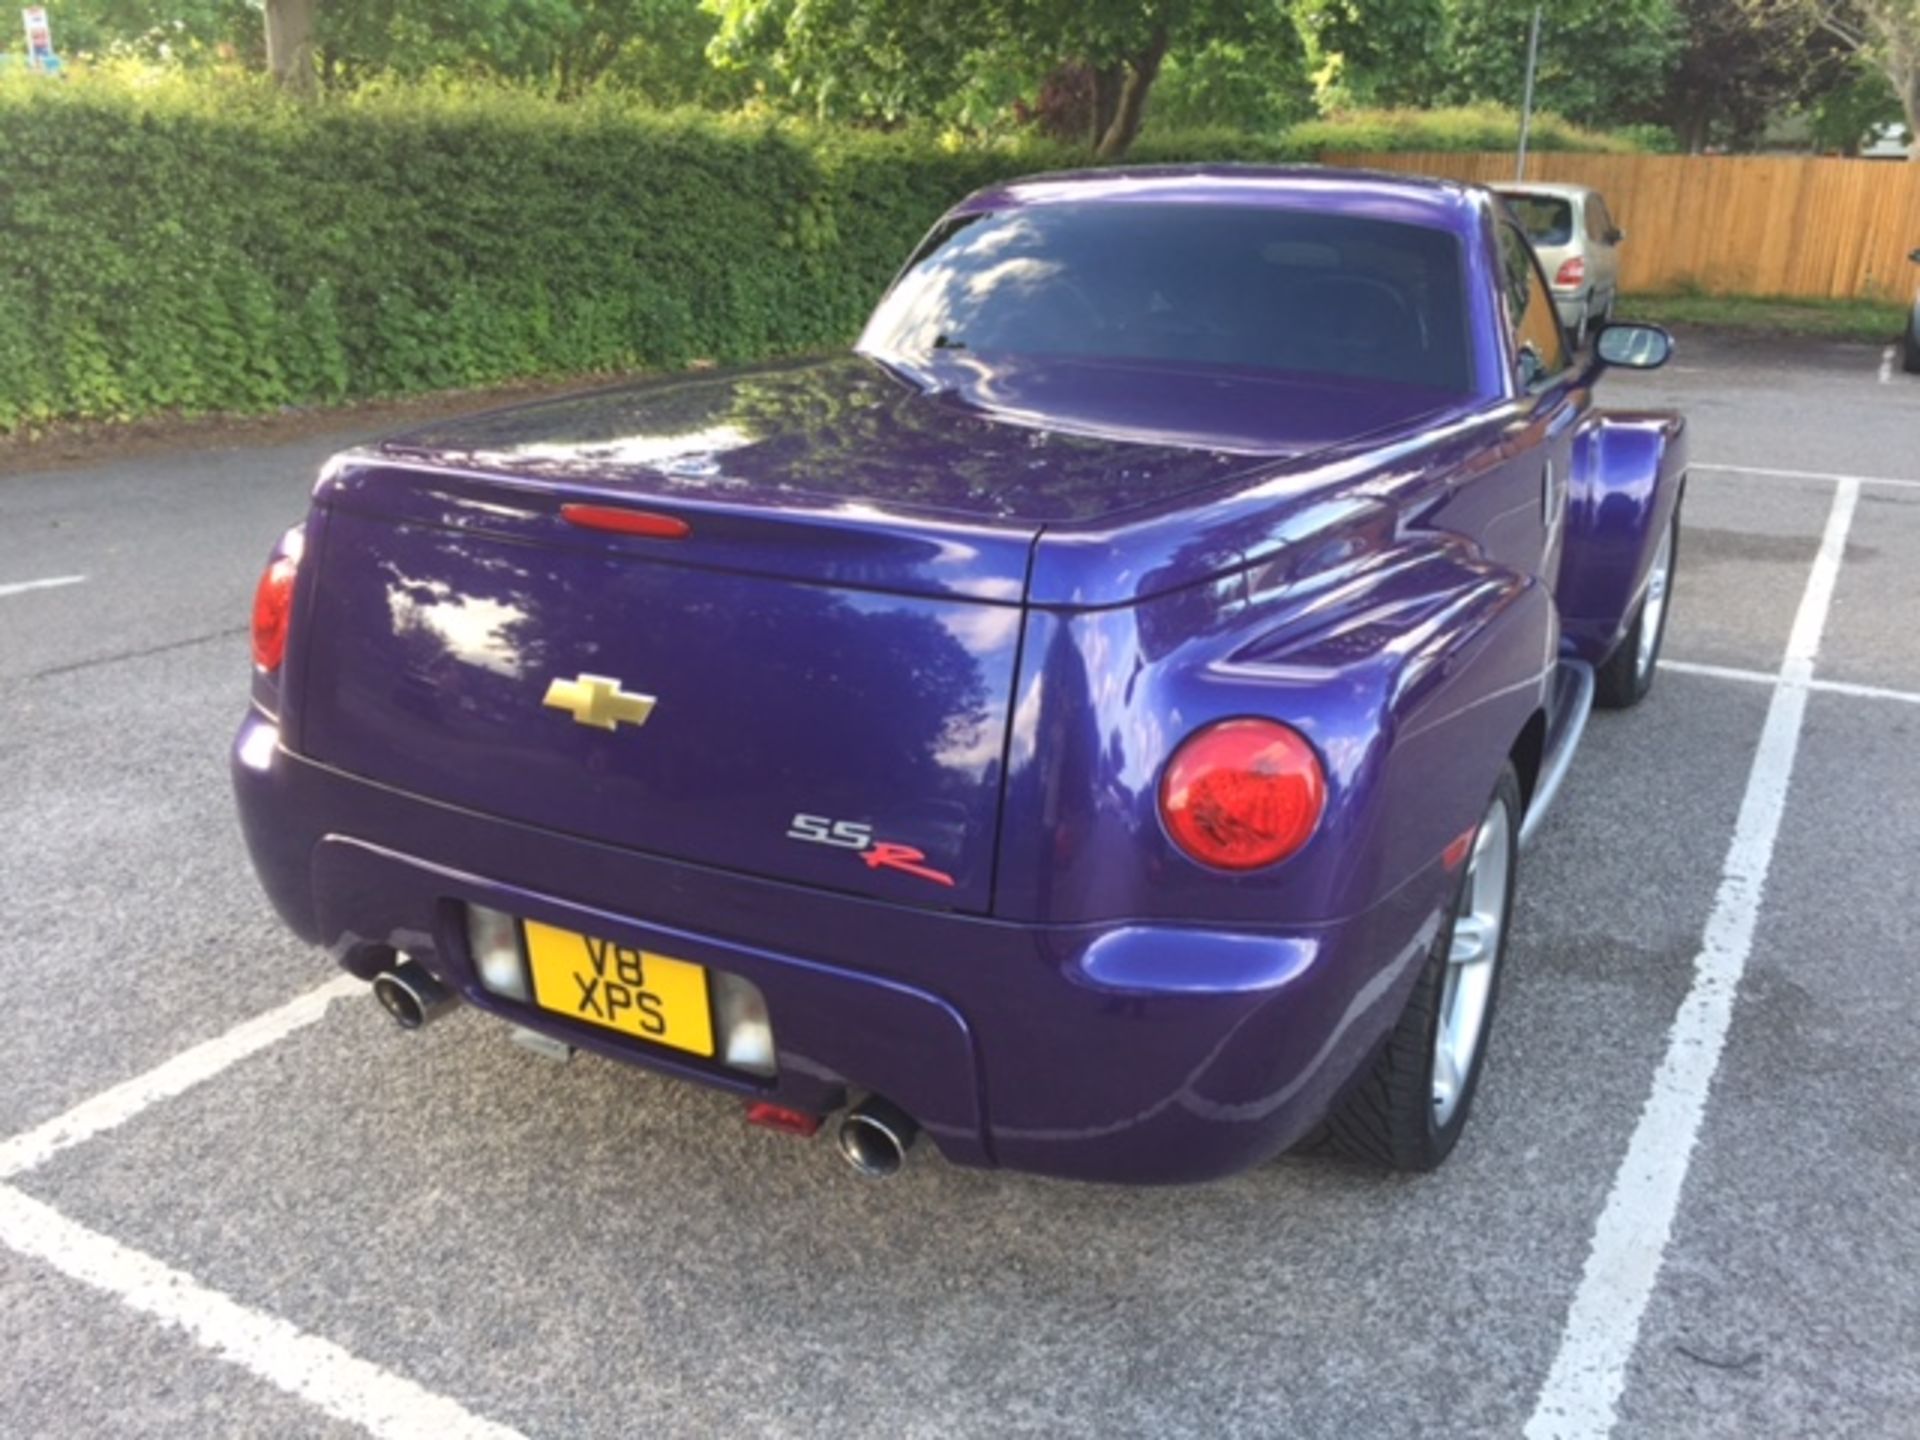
column 1095, row 723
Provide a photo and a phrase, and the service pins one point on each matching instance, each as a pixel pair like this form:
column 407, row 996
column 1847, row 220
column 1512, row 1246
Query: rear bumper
column 1139, row 1053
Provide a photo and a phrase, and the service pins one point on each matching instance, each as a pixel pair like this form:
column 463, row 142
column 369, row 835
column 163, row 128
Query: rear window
column 1547, row 220
column 1189, row 285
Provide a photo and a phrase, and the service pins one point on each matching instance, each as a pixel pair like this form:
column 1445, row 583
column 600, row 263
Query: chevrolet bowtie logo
column 600, row 702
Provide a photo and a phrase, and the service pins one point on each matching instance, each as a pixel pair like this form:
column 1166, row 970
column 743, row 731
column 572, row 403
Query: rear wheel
column 1406, row 1112
column 1910, row 344
column 1626, row 675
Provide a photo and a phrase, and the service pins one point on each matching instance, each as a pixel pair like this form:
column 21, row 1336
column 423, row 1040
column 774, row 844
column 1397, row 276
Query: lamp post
column 1526, row 102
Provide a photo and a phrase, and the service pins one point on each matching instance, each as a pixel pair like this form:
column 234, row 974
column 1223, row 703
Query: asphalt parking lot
column 235, row 1201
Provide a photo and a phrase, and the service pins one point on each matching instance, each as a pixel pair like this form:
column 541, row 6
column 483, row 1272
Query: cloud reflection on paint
column 472, row 629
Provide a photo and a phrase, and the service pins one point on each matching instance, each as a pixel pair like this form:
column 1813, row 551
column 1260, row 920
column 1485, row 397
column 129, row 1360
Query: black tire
column 1388, row 1116
column 1622, row 681
column 1910, row 343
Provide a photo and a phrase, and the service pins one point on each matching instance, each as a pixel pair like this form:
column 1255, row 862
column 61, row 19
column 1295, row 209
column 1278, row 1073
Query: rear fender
column 1627, row 473
column 1410, row 663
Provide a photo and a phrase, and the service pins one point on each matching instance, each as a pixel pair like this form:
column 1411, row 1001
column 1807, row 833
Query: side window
column 1538, row 339
column 1599, row 221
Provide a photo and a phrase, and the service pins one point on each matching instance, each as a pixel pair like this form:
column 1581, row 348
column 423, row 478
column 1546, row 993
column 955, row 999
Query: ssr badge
column 857, row 837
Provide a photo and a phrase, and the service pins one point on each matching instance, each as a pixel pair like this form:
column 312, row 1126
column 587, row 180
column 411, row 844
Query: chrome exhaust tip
column 874, row 1137
column 411, row 995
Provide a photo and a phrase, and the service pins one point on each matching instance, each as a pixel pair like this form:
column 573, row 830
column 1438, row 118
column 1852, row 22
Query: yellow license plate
column 653, row 997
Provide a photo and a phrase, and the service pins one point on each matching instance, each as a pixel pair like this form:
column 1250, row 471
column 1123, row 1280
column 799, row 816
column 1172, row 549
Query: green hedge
column 205, row 245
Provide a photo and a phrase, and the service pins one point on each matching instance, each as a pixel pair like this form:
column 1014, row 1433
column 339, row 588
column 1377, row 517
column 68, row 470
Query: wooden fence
column 1731, row 224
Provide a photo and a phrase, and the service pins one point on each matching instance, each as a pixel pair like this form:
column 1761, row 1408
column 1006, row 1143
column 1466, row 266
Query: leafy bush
column 1650, row 139
column 196, row 242
column 1460, row 127
column 199, row 243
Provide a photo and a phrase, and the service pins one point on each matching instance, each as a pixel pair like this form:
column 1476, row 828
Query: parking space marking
column 114, row 1107
column 21, row 587
column 271, row 1349
column 1579, row 1398
column 1829, row 476
column 1886, row 366
column 316, row 1370
column 1863, row 692
column 1763, row 677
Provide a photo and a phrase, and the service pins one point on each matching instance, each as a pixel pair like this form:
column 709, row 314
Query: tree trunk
column 1693, row 131
column 1106, row 101
column 290, row 44
column 1142, row 70
column 1910, row 98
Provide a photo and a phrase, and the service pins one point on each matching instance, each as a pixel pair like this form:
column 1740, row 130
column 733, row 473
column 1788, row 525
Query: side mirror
column 1615, row 236
column 1634, row 347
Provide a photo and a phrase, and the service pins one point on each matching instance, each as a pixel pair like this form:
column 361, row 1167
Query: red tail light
column 1572, row 274
column 1242, row 794
column 626, row 522
column 272, row 608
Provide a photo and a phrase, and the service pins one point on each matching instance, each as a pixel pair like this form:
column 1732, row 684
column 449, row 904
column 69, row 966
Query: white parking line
column 114, row 1107
column 21, row 587
column 316, row 1370
column 1582, row 1390
column 1886, row 366
column 1763, row 677
column 1863, row 692
column 1828, row 476
column 1722, row 672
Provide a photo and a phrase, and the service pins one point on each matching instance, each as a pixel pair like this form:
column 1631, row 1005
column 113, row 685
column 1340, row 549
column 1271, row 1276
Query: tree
column 562, row 46
column 1256, row 87
column 1845, row 114
column 891, row 60
column 184, row 31
column 1377, row 52
column 290, row 53
column 873, row 61
column 1602, row 62
column 1885, row 33
column 1741, row 62
column 1126, row 47
column 565, row 47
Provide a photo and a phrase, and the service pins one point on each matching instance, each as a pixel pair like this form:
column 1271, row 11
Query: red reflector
column 626, row 522
column 779, row 1117
column 1572, row 272
column 1242, row 794
column 272, row 607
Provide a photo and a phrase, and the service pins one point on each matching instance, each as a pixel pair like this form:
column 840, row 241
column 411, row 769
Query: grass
column 1875, row 321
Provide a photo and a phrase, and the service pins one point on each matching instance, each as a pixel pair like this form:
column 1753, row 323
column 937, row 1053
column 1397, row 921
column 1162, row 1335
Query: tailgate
column 829, row 693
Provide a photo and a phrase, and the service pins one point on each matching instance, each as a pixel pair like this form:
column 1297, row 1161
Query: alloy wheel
column 1473, row 951
column 1654, row 609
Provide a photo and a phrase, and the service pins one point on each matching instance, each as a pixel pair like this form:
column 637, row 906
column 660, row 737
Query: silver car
column 1578, row 243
